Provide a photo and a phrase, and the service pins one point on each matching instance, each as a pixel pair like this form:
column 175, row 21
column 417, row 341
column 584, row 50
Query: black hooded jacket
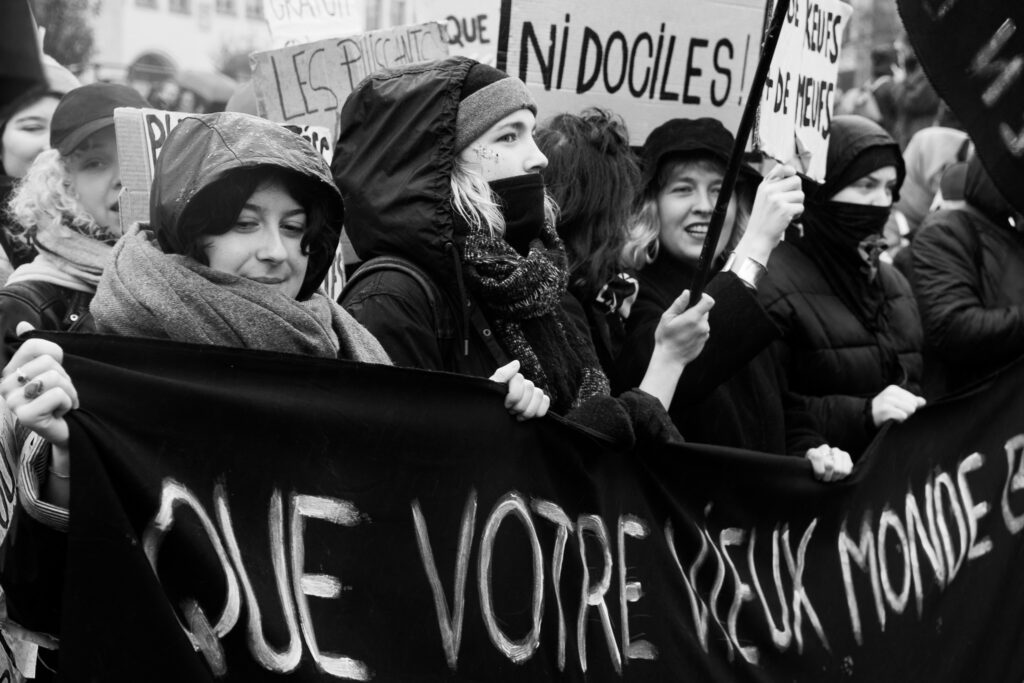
column 834, row 361
column 393, row 164
column 969, row 283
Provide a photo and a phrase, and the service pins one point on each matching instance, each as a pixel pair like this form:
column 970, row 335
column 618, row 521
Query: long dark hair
column 214, row 210
column 593, row 176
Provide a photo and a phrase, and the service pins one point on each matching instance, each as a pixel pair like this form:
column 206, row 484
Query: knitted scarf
column 147, row 293
column 522, row 297
column 67, row 256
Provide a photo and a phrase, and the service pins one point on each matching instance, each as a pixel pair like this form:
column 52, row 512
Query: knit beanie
column 488, row 95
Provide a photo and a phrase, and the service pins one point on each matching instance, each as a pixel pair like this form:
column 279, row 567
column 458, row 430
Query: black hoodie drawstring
column 463, row 298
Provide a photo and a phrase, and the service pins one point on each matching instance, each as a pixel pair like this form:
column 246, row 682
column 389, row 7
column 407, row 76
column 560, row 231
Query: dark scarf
column 522, row 296
column 845, row 240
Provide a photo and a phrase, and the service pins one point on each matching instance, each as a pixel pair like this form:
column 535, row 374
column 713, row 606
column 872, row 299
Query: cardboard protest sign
column 307, row 84
column 973, row 53
column 303, row 21
column 472, row 25
column 799, row 95
column 141, row 134
column 659, row 60
column 272, row 517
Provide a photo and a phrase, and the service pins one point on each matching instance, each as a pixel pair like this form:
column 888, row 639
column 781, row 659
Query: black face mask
column 522, row 204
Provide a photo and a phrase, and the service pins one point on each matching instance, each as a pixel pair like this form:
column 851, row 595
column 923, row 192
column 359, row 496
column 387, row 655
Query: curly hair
column 44, row 195
column 642, row 245
column 475, row 203
column 593, row 175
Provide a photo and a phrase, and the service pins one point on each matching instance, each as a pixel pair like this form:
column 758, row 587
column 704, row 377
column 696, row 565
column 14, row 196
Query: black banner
column 318, row 520
column 973, row 53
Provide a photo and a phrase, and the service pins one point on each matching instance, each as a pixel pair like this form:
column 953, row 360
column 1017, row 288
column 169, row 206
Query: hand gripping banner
column 246, row 516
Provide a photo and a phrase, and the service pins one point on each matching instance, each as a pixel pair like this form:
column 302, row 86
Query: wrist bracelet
column 57, row 474
column 749, row 271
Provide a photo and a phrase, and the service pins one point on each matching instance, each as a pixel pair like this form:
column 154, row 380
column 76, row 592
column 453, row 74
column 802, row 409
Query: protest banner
column 303, row 21
column 799, row 96
column 472, row 25
column 307, row 84
column 973, row 53
column 141, row 134
column 662, row 59
column 266, row 515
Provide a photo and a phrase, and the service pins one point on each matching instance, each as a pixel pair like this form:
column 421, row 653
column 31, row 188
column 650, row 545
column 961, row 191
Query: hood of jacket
column 202, row 149
column 849, row 137
column 393, row 164
column 981, row 193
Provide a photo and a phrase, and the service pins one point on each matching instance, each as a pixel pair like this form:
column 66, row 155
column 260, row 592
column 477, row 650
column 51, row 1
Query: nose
column 271, row 247
column 882, row 197
column 535, row 160
column 115, row 178
column 704, row 202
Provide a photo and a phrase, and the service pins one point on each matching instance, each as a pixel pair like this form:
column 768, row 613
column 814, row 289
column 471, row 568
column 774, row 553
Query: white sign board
column 307, row 84
column 304, row 21
column 472, row 25
column 799, row 95
column 648, row 60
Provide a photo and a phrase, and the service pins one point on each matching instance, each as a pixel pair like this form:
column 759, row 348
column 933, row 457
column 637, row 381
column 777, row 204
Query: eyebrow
column 287, row 214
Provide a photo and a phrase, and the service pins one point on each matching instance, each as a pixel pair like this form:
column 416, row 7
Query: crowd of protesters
column 550, row 257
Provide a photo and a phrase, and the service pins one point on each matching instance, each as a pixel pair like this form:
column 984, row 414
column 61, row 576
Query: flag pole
column 707, row 254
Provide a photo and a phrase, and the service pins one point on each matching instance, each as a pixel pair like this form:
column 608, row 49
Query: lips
column 697, row 230
column 265, row 280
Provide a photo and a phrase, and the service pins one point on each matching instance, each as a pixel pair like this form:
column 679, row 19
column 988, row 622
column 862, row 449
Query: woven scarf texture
column 67, row 256
column 147, row 293
column 522, row 297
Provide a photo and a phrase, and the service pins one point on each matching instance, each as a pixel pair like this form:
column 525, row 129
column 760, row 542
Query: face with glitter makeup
column 507, row 149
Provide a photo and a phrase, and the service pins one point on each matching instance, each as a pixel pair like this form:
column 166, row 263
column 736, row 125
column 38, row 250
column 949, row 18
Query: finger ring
column 19, row 375
column 34, row 389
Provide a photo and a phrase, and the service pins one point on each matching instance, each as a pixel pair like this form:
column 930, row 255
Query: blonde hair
column 473, row 200
column 44, row 195
column 642, row 244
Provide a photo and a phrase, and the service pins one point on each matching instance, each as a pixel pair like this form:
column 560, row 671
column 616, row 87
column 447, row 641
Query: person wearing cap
column 968, row 279
column 24, row 134
column 851, row 337
column 734, row 394
column 66, row 207
column 438, row 168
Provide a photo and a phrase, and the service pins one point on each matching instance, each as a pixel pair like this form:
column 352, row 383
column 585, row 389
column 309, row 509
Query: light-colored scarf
column 147, row 293
column 66, row 257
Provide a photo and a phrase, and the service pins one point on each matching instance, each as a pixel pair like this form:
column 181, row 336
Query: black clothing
column 833, row 359
column 44, row 305
column 393, row 164
column 969, row 282
column 734, row 393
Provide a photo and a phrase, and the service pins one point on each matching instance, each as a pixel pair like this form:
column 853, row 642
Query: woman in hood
column 244, row 225
column 969, row 283
column 65, row 208
column 851, row 338
column 440, row 174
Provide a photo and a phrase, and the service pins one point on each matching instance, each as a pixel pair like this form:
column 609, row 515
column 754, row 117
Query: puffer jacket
column 393, row 164
column 832, row 359
column 969, row 283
